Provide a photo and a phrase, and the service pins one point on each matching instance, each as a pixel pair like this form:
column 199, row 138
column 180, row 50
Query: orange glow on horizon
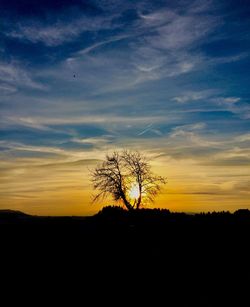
column 65, row 188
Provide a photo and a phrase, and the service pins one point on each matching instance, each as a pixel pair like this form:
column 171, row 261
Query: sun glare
column 134, row 191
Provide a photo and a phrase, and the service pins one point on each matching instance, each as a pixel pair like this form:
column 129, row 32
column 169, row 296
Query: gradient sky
column 81, row 78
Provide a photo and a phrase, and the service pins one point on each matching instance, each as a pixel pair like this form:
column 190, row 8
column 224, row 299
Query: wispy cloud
column 94, row 119
column 156, row 18
column 25, row 122
column 229, row 162
column 96, row 141
column 243, row 186
column 60, row 31
column 199, row 6
column 187, row 134
column 242, row 138
column 99, row 44
column 159, row 44
column 23, row 147
column 226, row 101
column 233, row 104
column 190, row 127
column 227, row 59
column 7, row 89
column 182, row 32
column 193, row 96
column 167, row 48
column 13, row 76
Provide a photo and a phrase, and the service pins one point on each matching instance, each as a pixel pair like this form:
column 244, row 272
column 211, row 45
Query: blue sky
column 81, row 78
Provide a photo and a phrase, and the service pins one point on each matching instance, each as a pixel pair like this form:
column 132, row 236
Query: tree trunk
column 138, row 202
column 126, row 203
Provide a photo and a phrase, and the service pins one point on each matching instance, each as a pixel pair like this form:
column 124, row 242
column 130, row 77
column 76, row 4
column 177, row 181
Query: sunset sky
column 79, row 79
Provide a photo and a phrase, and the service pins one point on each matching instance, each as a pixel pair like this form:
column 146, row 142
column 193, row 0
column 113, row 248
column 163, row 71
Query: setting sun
column 134, row 192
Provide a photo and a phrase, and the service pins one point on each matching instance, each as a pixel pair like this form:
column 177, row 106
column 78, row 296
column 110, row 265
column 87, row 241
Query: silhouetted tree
column 126, row 176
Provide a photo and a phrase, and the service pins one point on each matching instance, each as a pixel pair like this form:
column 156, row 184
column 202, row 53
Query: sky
column 79, row 79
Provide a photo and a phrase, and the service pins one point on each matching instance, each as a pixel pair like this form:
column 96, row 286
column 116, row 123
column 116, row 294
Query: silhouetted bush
column 242, row 212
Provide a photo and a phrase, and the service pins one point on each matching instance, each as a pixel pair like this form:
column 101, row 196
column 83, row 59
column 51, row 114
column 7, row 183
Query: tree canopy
column 128, row 178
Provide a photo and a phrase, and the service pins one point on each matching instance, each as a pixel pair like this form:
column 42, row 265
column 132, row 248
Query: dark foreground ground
column 151, row 258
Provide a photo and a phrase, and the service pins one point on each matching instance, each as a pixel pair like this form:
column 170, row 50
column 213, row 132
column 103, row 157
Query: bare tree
column 128, row 178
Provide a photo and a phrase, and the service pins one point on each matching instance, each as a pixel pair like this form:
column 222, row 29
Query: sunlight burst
column 134, row 192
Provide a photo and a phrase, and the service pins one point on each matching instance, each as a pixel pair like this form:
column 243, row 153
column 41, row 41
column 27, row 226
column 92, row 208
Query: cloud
column 209, row 101
column 13, row 76
column 100, row 44
column 182, row 32
column 234, row 105
column 226, row 101
column 68, row 164
column 115, row 5
column 199, row 6
column 167, row 46
column 243, row 186
column 26, row 122
column 7, row 89
column 229, row 162
column 188, row 133
column 60, row 31
column 106, row 119
column 30, row 155
column 152, row 64
column 173, row 29
column 191, row 127
column 242, row 138
column 23, row 147
column 156, row 18
column 193, row 96
column 227, row 59
column 157, row 44
column 95, row 141
column 194, row 140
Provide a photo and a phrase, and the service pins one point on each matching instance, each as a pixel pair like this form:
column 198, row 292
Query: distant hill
column 7, row 215
column 8, row 212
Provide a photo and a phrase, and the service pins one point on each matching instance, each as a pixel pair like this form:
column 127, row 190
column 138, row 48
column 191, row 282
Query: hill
column 8, row 212
column 7, row 216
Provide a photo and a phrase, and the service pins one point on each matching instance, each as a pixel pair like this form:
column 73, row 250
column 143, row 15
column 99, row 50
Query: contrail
column 147, row 128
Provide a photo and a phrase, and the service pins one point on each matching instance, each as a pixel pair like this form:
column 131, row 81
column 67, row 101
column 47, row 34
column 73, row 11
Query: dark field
column 151, row 257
